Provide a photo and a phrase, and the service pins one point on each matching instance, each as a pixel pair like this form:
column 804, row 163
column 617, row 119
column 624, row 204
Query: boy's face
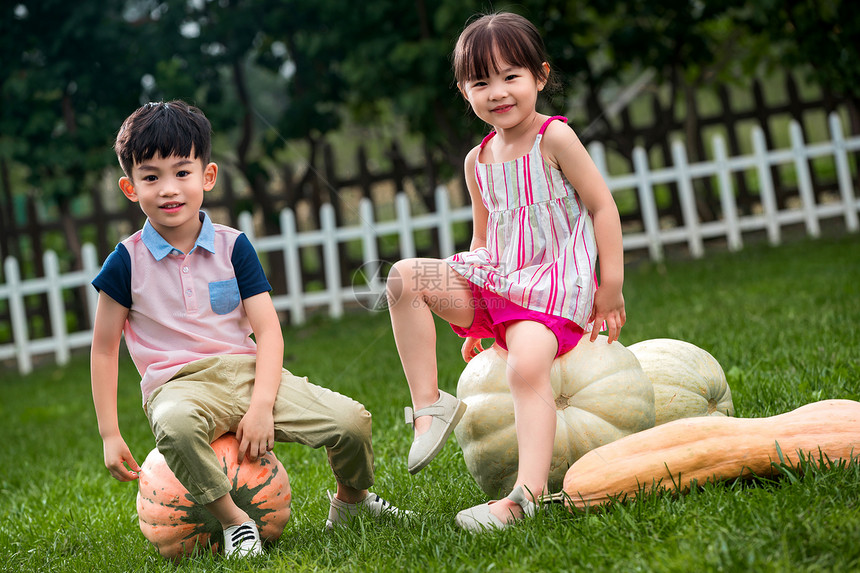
column 170, row 191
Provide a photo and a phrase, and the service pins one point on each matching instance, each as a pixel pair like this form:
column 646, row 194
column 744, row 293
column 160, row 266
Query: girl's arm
column 472, row 346
column 479, row 211
column 563, row 147
column 256, row 431
column 104, row 355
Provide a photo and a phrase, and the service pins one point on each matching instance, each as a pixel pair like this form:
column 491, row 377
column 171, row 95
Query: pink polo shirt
column 183, row 307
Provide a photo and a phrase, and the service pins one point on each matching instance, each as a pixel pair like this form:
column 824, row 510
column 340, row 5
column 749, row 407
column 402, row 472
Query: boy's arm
column 107, row 332
column 256, row 431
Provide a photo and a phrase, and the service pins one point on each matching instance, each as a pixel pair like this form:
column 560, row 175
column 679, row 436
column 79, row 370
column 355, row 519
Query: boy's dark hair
column 166, row 129
column 502, row 34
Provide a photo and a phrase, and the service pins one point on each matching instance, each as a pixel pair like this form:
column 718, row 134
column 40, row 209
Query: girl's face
column 506, row 97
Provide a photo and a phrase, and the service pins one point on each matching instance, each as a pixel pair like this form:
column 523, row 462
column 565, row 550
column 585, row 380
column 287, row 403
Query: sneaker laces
column 244, row 532
column 377, row 499
column 373, row 504
column 242, row 540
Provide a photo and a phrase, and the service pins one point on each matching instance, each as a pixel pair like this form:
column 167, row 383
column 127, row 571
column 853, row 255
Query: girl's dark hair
column 166, row 129
column 500, row 35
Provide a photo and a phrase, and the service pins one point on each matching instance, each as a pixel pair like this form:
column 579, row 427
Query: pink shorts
column 493, row 313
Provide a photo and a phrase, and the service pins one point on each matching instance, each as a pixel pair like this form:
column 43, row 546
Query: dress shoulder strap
column 550, row 120
column 490, row 135
column 487, row 138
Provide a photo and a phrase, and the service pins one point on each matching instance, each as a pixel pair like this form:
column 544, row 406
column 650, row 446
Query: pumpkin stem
column 562, row 402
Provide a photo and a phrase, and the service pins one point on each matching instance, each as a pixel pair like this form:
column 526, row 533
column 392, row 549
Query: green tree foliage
column 70, row 71
column 218, row 50
column 275, row 73
column 822, row 35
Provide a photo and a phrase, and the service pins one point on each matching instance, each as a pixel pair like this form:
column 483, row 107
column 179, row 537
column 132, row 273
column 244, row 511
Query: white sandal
column 479, row 518
column 446, row 412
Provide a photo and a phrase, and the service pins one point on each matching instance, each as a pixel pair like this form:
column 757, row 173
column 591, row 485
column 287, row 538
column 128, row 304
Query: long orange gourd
column 697, row 450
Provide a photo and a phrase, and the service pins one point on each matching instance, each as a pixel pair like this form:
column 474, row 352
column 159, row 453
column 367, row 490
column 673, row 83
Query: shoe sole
column 437, row 447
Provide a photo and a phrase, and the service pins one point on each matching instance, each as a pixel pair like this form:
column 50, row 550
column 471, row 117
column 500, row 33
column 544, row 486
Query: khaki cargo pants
column 208, row 398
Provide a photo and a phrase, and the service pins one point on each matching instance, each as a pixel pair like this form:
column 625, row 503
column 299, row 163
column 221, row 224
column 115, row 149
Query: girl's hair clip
column 153, row 104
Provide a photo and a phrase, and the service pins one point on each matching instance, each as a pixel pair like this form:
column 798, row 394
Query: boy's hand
column 256, row 434
column 119, row 461
column 608, row 308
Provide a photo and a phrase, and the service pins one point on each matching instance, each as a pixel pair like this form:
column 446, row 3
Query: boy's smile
column 170, row 192
column 171, row 207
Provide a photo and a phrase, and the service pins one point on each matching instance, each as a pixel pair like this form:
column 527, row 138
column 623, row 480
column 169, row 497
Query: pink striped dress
column 540, row 254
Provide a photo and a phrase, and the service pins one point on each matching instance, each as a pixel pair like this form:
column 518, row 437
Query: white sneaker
column 374, row 505
column 242, row 540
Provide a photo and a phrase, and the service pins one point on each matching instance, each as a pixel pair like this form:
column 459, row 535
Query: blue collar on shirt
column 161, row 248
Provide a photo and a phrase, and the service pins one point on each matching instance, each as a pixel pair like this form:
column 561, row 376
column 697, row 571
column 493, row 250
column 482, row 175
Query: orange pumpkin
column 172, row 521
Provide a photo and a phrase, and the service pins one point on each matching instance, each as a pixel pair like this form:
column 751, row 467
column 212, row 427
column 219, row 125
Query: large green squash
column 688, row 381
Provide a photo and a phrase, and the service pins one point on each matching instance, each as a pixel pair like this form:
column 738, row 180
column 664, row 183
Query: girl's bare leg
column 418, row 289
column 531, row 351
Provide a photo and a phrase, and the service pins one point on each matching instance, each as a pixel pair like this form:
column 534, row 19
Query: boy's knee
column 354, row 424
column 177, row 422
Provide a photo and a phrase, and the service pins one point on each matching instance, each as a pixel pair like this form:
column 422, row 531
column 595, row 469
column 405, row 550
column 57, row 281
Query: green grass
column 783, row 323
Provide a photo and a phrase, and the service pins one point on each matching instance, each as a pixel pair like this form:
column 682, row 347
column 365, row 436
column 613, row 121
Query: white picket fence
column 15, row 290
column 329, row 237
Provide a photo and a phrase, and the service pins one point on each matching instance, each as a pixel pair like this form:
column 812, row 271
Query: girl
column 541, row 215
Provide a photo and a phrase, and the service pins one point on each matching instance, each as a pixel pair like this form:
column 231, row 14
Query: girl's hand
column 256, row 434
column 471, row 348
column 119, row 461
column 608, row 308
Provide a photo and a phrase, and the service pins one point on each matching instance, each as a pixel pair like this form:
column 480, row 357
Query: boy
column 188, row 294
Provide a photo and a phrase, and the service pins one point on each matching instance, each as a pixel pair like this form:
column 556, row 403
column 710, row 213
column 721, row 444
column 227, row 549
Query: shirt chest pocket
column 224, row 296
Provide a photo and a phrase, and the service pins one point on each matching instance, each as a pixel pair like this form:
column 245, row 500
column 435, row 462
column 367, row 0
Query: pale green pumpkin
column 687, row 380
column 601, row 394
